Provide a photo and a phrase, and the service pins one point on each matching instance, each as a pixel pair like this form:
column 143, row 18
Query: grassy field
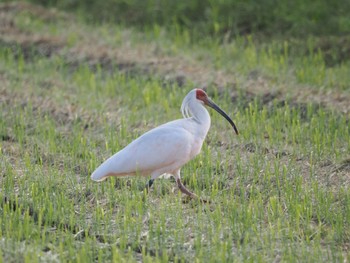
column 73, row 93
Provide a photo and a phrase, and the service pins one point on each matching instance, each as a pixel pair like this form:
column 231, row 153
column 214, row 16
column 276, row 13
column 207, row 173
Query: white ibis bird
column 167, row 148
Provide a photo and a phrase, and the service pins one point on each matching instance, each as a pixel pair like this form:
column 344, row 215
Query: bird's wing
column 154, row 150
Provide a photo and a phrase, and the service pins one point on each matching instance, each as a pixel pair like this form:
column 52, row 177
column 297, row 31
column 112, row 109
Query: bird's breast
column 196, row 147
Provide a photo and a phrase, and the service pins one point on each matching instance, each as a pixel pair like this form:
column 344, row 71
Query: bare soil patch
column 144, row 59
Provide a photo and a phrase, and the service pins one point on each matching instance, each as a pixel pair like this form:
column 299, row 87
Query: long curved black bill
column 211, row 104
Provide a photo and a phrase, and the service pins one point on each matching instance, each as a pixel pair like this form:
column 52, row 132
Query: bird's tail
column 108, row 168
column 100, row 173
column 97, row 178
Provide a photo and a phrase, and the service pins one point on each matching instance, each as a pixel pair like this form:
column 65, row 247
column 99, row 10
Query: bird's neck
column 202, row 118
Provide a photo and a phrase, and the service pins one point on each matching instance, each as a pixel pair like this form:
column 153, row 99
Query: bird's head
column 203, row 98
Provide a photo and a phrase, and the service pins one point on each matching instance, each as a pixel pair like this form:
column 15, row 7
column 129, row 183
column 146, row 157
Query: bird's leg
column 184, row 189
column 149, row 184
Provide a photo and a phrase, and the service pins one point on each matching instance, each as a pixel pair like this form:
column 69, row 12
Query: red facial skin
column 201, row 95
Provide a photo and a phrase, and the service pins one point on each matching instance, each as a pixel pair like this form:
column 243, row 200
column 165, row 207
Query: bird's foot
column 204, row 201
column 187, row 199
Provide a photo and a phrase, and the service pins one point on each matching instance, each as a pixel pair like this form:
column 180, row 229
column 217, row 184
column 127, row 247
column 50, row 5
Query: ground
column 74, row 93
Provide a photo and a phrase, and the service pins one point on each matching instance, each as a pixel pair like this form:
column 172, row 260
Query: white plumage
column 167, row 148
